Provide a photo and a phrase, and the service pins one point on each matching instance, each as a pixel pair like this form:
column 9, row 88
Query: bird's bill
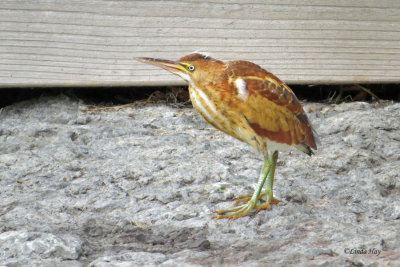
column 172, row 66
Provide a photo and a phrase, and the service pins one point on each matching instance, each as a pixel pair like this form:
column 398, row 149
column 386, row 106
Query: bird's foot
column 245, row 209
column 246, row 198
column 236, row 212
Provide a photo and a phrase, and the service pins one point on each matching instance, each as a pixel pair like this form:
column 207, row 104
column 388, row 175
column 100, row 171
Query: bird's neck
column 212, row 78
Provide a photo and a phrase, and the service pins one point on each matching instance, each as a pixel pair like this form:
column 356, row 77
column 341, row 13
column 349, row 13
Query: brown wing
column 271, row 108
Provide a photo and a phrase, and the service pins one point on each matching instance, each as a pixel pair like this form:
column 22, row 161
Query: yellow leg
column 267, row 173
column 267, row 194
column 270, row 181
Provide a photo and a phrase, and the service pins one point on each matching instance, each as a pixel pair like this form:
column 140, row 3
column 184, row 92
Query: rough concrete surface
column 138, row 187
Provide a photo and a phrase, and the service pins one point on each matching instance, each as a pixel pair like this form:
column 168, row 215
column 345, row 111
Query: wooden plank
column 93, row 42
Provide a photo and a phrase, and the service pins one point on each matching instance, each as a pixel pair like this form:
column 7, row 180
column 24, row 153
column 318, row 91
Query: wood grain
column 93, row 42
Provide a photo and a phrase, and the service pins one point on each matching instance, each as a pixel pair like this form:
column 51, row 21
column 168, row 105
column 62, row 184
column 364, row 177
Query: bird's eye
column 190, row 68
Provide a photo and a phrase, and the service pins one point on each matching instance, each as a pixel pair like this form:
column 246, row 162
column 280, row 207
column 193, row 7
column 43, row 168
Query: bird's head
column 194, row 68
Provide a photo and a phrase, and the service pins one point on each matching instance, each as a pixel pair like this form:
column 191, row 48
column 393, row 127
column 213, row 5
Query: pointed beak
column 172, row 66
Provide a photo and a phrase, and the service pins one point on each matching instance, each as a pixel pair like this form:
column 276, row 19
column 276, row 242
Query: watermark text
column 373, row 251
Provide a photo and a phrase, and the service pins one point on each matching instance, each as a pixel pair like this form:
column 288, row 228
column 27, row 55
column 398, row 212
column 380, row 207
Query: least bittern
column 251, row 104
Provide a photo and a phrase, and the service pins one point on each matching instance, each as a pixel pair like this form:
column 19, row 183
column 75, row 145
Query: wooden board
column 93, row 42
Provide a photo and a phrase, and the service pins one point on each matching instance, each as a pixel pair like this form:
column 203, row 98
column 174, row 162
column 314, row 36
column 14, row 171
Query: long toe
column 229, row 210
column 267, row 205
column 241, row 199
column 236, row 212
column 243, row 210
column 246, row 198
column 263, row 206
column 274, row 201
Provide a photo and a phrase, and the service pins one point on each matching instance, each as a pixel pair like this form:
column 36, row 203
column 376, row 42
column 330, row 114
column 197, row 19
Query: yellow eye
column 190, row 68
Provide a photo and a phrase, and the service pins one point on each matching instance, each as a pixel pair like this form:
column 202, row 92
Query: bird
column 249, row 103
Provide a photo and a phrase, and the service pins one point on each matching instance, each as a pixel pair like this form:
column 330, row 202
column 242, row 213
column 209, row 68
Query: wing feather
column 271, row 108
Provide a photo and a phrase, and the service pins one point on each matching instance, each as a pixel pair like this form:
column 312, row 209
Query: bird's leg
column 245, row 209
column 269, row 185
column 268, row 193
